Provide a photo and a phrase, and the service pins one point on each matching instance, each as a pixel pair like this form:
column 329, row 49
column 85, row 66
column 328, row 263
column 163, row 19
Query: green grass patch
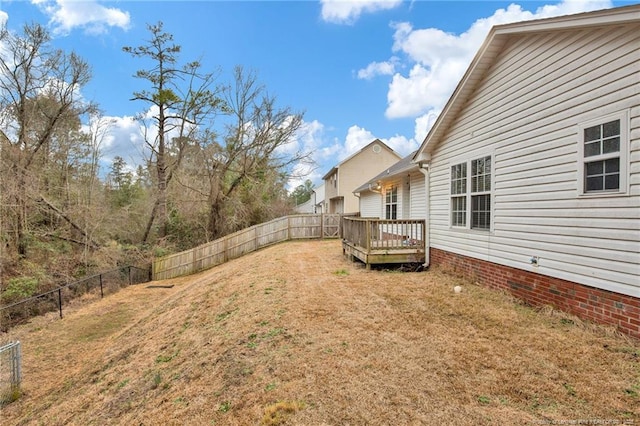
column 166, row 358
column 484, row 399
column 225, row 315
column 633, row 391
column 270, row 387
column 122, row 384
column 93, row 328
column 570, row 389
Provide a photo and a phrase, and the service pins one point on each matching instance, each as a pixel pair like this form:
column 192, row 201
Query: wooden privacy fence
column 239, row 243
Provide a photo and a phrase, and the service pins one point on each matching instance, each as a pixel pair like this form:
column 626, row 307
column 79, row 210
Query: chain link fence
column 10, row 372
column 54, row 300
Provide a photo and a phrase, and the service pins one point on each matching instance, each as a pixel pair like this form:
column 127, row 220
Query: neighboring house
column 343, row 178
column 318, row 197
column 534, row 166
column 307, row 207
column 396, row 193
column 313, row 204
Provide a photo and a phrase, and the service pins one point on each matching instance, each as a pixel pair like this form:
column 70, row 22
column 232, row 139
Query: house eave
column 491, row 48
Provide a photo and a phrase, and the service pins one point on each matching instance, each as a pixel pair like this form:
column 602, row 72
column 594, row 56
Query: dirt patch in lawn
column 296, row 334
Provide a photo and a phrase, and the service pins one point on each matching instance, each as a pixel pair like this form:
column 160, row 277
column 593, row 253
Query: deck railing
column 373, row 234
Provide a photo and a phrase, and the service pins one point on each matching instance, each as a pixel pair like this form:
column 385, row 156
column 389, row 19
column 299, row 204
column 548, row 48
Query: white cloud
column 301, row 172
column 308, row 137
column 401, row 144
column 348, row 11
column 357, row 138
column 3, row 18
column 124, row 138
column 67, row 15
column 438, row 59
column 424, row 124
column 306, row 140
column 378, row 68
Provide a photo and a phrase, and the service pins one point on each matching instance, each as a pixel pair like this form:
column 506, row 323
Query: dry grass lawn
column 296, row 334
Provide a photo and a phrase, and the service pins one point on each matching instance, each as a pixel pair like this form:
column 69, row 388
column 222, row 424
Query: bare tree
column 93, row 217
column 39, row 95
column 253, row 151
column 184, row 98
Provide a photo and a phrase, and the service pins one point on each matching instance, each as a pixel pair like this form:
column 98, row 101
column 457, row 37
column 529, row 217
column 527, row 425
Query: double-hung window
column 391, row 203
column 603, row 146
column 459, row 195
column 471, row 194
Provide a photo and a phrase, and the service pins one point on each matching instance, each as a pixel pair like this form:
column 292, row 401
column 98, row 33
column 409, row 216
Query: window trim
column 623, row 187
column 389, row 193
column 468, row 194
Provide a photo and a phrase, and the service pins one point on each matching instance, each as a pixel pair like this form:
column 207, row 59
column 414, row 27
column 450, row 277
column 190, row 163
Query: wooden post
column 225, row 246
column 101, row 290
column 255, row 238
column 367, row 224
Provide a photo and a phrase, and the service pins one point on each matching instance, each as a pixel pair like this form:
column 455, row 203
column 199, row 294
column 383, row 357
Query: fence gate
column 10, row 372
column 331, row 225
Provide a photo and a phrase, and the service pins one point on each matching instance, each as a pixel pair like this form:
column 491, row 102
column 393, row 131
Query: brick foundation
column 589, row 303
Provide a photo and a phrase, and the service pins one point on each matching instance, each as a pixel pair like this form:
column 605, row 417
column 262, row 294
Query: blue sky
column 359, row 70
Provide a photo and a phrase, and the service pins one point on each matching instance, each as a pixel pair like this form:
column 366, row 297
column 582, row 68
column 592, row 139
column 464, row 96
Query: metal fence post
column 101, row 289
column 18, row 364
column 10, row 372
column 60, row 300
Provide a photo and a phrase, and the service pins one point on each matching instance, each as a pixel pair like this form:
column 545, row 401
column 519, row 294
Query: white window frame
column 389, row 202
column 623, row 155
column 468, row 194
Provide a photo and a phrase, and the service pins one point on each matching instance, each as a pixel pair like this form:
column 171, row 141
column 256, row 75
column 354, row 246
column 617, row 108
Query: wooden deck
column 380, row 241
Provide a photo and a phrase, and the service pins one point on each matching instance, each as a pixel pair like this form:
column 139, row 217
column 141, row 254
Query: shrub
column 20, row 288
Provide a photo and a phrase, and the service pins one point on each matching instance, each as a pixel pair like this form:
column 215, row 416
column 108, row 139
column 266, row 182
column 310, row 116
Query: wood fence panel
column 173, row 265
column 210, row 255
column 241, row 242
column 272, row 232
column 305, row 226
column 246, row 241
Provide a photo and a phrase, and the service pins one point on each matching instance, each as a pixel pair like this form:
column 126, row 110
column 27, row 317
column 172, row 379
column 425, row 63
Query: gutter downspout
column 424, row 169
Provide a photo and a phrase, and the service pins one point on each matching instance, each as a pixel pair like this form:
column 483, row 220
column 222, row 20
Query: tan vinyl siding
column 359, row 169
column 525, row 113
column 330, row 191
column 354, row 171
